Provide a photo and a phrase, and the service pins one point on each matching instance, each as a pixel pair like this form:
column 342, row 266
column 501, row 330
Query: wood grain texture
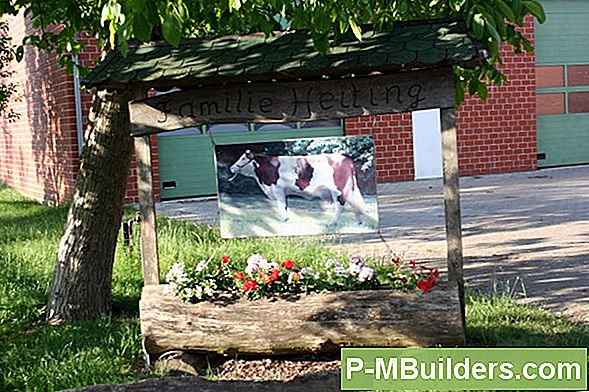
column 452, row 203
column 149, row 247
column 312, row 323
column 294, row 101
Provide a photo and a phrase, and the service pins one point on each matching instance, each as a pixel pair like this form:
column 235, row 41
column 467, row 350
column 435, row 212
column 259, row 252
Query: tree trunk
column 81, row 287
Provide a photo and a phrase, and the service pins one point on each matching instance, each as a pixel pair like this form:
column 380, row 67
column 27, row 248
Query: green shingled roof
column 411, row 45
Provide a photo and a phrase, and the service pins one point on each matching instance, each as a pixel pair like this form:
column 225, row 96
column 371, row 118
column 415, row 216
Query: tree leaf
column 482, row 91
column 19, row 53
column 355, row 29
column 505, row 10
column 493, row 33
column 172, row 26
column 536, row 9
column 234, row 5
column 142, row 27
column 478, row 25
column 456, row 5
column 459, row 91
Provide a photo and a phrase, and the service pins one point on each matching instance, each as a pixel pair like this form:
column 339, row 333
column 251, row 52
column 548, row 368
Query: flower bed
column 259, row 278
column 257, row 306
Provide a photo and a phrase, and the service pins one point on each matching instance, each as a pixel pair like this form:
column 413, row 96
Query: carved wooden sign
column 294, row 101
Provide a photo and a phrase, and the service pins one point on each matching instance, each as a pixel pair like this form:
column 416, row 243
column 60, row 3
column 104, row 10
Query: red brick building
column 39, row 151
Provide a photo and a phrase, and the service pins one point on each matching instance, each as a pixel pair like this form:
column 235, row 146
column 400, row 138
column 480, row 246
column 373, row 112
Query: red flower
column 288, row 264
column 225, row 259
column 397, row 261
column 412, row 262
column 431, row 281
column 423, row 285
column 239, row 275
column 436, row 273
column 404, row 280
column 250, row 285
column 274, row 276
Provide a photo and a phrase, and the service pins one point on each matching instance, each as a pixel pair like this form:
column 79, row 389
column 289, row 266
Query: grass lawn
column 34, row 356
column 242, row 216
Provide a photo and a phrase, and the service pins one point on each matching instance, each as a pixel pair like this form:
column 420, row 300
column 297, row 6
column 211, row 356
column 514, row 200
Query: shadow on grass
column 498, row 321
column 54, row 358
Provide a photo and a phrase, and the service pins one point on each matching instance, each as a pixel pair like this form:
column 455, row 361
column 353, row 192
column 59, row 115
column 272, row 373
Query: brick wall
column 393, row 138
column 499, row 134
column 496, row 135
column 38, row 151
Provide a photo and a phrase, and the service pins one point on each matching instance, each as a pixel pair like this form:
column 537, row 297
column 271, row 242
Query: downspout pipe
column 78, row 105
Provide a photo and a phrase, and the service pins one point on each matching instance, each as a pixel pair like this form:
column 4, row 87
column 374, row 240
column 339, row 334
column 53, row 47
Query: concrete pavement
column 527, row 231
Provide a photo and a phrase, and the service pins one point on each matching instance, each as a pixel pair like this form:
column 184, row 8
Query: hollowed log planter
column 310, row 323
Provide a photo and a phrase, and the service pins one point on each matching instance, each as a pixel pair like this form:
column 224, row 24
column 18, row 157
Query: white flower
column 309, row 272
column 201, row 265
column 198, row 292
column 255, row 263
column 331, row 263
column 340, row 270
column 366, row 273
column 272, row 266
column 176, row 274
column 209, row 291
column 188, row 292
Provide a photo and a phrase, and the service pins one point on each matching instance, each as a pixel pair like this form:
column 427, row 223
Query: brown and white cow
column 330, row 177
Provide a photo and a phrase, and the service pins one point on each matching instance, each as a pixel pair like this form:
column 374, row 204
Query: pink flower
column 357, row 260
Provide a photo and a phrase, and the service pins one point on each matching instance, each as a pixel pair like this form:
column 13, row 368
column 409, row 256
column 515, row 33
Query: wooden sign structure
column 294, row 101
column 301, row 101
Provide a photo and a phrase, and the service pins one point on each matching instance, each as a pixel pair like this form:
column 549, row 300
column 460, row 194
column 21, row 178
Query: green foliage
column 7, row 54
column 118, row 22
column 361, row 149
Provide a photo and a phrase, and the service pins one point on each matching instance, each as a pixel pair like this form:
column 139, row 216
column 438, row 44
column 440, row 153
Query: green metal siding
column 564, row 139
column 563, row 38
column 189, row 160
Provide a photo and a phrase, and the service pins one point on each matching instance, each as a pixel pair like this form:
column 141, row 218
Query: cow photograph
column 297, row 187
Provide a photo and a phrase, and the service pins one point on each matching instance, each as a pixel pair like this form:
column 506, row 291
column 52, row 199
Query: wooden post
column 452, row 201
column 149, row 253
